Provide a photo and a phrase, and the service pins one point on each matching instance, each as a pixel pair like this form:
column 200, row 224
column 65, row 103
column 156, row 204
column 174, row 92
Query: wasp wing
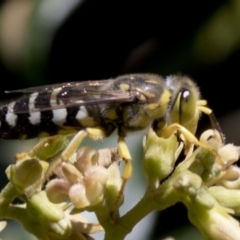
column 60, row 85
column 67, row 95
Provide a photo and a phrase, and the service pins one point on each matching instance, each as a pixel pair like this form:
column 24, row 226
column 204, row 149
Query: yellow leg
column 94, row 133
column 125, row 155
column 67, row 153
column 187, row 135
column 127, row 173
column 73, row 145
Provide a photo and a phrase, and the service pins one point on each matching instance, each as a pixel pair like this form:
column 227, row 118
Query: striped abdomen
column 25, row 119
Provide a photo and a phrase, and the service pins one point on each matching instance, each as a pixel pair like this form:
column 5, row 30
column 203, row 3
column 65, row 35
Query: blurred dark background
column 47, row 41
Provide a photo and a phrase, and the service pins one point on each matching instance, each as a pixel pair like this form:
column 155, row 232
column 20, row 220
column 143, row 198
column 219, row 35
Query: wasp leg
column 169, row 130
column 94, row 133
column 125, row 155
column 213, row 120
column 202, row 106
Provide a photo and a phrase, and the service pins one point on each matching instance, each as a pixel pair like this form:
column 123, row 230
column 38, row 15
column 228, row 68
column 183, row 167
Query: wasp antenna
column 213, row 120
column 215, row 125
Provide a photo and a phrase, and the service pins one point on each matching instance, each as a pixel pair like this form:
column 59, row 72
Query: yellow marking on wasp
column 151, row 80
column 159, row 109
column 145, row 93
column 66, row 130
column 88, row 122
column 165, row 98
column 124, row 86
column 111, row 114
column 143, row 98
column 53, row 100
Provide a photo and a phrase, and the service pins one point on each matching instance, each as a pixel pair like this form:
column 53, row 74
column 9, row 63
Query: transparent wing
column 67, row 95
column 82, row 84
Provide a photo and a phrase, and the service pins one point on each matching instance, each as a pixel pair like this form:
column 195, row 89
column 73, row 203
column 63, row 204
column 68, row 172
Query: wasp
column 128, row 103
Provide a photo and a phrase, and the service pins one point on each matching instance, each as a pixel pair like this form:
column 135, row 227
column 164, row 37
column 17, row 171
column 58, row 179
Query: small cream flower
column 83, row 182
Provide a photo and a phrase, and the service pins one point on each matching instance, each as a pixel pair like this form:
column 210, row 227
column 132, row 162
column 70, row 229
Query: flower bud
column 71, row 173
column 159, row 157
column 113, row 185
column 57, row 190
column 62, row 228
column 78, row 197
column 86, row 158
column 95, row 181
column 229, row 154
column 3, row 224
column 230, row 178
column 25, row 174
column 215, row 223
column 228, row 198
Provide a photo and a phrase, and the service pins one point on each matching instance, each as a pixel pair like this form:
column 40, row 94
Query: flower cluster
column 206, row 180
column 85, row 179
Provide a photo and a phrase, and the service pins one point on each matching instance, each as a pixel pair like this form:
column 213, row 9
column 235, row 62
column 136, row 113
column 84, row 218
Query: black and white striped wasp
column 127, row 104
